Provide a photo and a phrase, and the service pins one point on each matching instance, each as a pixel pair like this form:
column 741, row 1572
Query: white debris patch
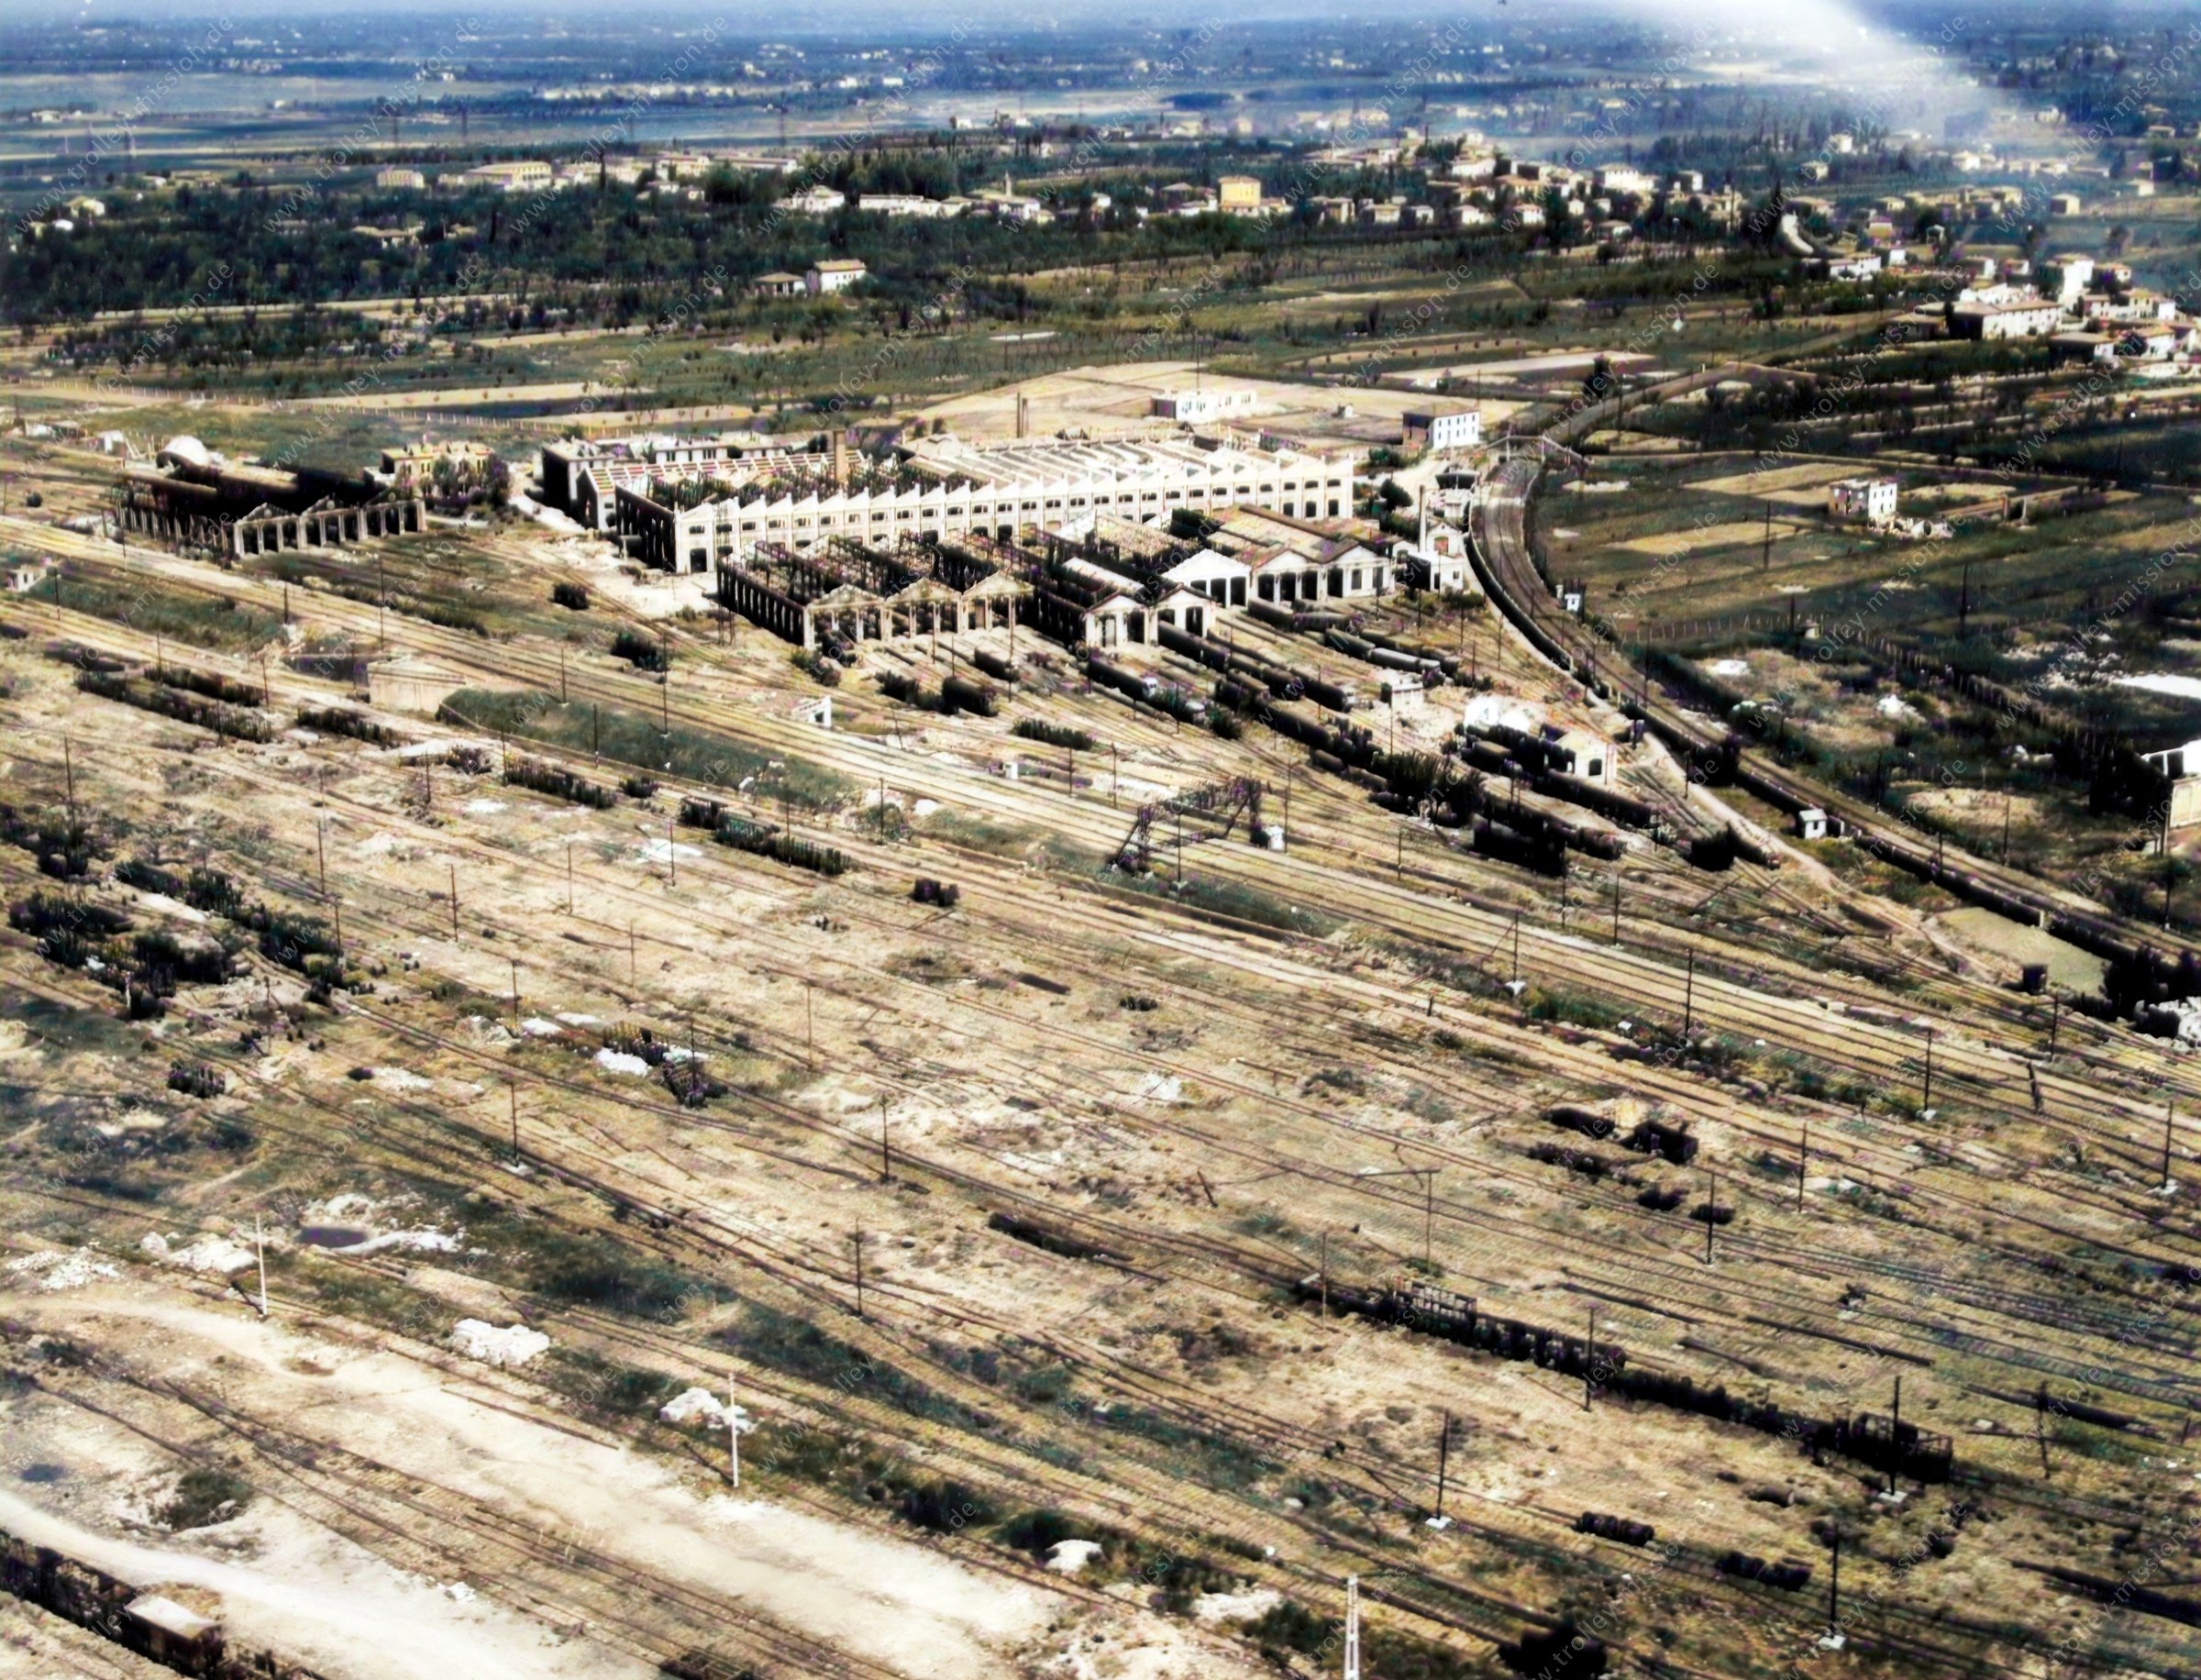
column 418, row 1241
column 514, row 1345
column 619, row 1061
column 483, row 807
column 49, row 1269
column 1069, row 1556
column 207, row 1253
column 1157, row 1088
column 700, row 1406
column 1896, row 706
column 1728, row 668
column 536, row 1026
column 662, row 851
column 694, row 1406
column 1212, row 1608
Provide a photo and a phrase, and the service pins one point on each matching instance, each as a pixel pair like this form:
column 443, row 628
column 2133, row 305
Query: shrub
column 204, row 1497
column 644, row 653
column 559, row 782
column 574, row 597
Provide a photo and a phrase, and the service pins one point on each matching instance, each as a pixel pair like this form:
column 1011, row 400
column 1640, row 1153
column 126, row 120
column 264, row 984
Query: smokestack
column 840, row 460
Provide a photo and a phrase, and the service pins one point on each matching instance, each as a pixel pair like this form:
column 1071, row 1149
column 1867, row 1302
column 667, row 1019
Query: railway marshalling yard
column 1022, row 1227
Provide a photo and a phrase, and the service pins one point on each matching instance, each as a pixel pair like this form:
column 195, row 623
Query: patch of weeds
column 204, row 1497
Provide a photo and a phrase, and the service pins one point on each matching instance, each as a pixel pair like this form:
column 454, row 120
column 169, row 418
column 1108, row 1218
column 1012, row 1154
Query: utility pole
column 1616, row 903
column 1925, row 1097
column 1325, row 1278
column 1589, row 1360
column 630, row 953
column 321, row 851
column 1429, row 1217
column 569, row 878
column 856, row 1240
column 810, row 1042
column 259, row 1248
column 1803, row 1166
column 1688, row 1008
column 1444, row 1455
column 69, row 768
column 1352, row 1626
column 2168, row 1111
column 515, row 993
column 1516, row 976
column 1834, row 1586
column 886, row 1144
column 1711, row 1217
column 733, row 1434
column 454, row 875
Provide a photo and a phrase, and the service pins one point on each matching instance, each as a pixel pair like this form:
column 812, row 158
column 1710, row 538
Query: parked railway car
column 994, row 666
column 1137, row 685
column 1609, row 803
column 963, row 694
column 1788, row 1576
column 1510, row 845
column 1627, row 1531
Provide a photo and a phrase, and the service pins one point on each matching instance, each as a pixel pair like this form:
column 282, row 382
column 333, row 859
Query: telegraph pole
column 1444, row 1455
column 1688, row 1008
column 1589, row 1360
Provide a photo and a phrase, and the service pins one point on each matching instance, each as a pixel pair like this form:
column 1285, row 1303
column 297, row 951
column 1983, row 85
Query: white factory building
column 943, row 487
